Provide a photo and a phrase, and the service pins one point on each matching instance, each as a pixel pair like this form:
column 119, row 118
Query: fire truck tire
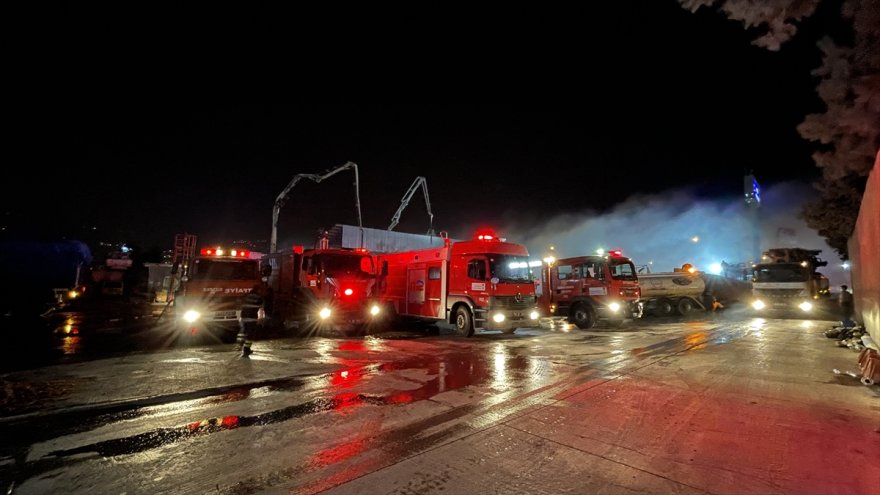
column 664, row 307
column 463, row 321
column 583, row 315
column 685, row 306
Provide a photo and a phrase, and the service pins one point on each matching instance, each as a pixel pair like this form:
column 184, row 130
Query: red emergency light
column 486, row 235
column 235, row 253
column 361, row 250
column 615, row 253
column 348, row 292
column 297, row 250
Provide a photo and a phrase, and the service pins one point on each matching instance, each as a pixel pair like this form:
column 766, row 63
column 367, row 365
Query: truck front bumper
column 506, row 319
column 766, row 305
column 623, row 310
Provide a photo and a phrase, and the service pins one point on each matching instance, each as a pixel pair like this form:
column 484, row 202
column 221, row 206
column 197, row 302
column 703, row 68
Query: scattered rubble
column 854, row 336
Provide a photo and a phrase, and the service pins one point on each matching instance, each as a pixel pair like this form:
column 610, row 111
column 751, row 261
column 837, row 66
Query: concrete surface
column 727, row 405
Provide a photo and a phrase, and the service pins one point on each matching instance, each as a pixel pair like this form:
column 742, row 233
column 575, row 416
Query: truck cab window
column 477, row 269
column 564, row 272
column 308, row 266
column 594, row 269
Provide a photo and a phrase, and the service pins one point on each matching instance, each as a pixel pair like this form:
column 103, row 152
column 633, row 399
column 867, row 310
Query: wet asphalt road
column 335, row 409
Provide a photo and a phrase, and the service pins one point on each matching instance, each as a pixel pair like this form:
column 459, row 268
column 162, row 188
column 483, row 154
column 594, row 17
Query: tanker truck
column 685, row 290
column 682, row 290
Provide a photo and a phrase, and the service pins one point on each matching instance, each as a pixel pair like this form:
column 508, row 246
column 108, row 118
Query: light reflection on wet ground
column 500, row 365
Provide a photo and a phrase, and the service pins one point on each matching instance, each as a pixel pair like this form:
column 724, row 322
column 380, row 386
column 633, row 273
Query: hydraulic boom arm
column 420, row 181
column 282, row 198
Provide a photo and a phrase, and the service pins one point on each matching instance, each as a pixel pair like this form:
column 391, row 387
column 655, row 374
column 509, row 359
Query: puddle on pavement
column 500, row 367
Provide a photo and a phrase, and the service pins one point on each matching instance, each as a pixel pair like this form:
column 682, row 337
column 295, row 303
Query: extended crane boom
column 282, row 198
column 420, row 181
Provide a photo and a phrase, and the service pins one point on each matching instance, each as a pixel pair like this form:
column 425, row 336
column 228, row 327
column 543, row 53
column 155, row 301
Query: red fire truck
column 587, row 289
column 322, row 287
column 215, row 290
column 481, row 284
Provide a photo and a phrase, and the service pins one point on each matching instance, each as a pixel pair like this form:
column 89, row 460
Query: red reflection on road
column 346, row 401
column 352, row 345
column 339, row 453
column 346, row 378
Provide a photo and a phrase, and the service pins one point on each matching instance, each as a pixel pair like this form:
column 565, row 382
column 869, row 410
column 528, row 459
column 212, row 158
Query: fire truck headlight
column 374, row 310
column 534, row 315
column 324, row 313
column 498, row 318
column 758, row 304
column 191, row 316
column 614, row 307
column 72, row 294
column 805, row 306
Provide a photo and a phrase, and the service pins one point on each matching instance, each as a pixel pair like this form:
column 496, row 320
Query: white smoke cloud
column 660, row 229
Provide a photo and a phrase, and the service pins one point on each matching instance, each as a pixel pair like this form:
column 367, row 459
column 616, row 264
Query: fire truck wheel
column 664, row 307
column 583, row 315
column 463, row 322
column 685, row 306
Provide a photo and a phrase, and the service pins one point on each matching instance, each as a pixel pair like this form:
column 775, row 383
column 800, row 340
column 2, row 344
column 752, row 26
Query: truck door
column 595, row 278
column 415, row 290
column 434, row 289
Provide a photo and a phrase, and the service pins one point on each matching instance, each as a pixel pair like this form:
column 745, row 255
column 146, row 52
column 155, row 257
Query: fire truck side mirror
column 384, row 268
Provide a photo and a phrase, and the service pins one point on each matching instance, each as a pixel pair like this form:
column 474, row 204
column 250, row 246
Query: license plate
column 224, row 315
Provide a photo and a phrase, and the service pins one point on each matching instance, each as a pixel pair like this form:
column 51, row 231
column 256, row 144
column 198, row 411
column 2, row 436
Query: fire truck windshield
column 781, row 272
column 510, row 268
column 346, row 266
column 210, row 269
column 622, row 270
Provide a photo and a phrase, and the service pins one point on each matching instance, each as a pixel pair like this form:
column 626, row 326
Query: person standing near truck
column 845, row 301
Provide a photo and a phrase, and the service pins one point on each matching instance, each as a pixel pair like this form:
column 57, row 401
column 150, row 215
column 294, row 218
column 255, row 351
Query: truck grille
column 224, row 315
column 527, row 302
column 779, row 292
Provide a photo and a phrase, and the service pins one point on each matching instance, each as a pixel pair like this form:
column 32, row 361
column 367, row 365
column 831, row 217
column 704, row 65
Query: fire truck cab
column 322, row 287
column 481, row 284
column 587, row 289
column 216, row 290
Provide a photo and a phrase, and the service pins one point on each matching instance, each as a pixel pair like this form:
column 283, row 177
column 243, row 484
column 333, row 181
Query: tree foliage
column 848, row 132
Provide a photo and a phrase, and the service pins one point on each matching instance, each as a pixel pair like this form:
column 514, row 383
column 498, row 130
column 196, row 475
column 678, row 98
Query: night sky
column 638, row 98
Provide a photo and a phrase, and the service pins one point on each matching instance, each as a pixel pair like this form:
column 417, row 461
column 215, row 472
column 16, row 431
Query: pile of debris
column 853, row 336
column 848, row 335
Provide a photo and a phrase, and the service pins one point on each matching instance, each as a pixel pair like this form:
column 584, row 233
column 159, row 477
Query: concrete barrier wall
column 864, row 252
